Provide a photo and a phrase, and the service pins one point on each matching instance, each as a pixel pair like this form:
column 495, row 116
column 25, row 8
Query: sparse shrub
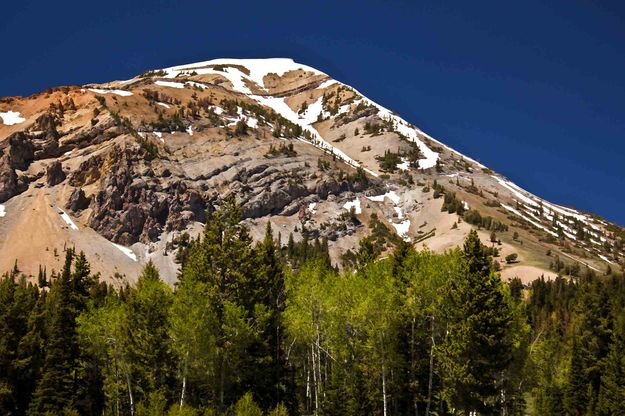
column 511, row 258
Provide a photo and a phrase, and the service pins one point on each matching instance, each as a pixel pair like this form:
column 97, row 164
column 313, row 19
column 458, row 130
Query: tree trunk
column 222, row 380
column 312, row 351
column 320, row 380
column 127, row 376
column 384, row 388
column 308, row 393
column 184, row 379
column 431, row 376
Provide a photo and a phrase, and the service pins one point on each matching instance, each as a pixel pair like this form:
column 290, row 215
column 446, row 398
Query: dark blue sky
column 536, row 92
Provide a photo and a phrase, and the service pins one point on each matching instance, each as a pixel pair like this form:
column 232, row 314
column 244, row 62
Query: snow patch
column 430, row 156
column 406, row 129
column 392, row 195
column 531, row 221
column 533, row 200
column 163, row 105
column 258, row 69
column 10, row 118
column 127, row 251
column 281, row 107
column 68, row 220
column 355, row 203
column 311, row 207
column 197, row 84
column 399, row 212
column 402, row 229
column 604, row 258
column 515, row 190
column 252, row 122
column 170, row 84
column 404, row 165
column 311, row 114
column 122, row 93
column 190, row 130
column 3, row 211
column 565, row 211
column 326, row 84
column 159, row 135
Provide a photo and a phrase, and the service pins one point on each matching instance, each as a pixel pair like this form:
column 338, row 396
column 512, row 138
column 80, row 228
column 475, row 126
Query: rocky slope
column 120, row 170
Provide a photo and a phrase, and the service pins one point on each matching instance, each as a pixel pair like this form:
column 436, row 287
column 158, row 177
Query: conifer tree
column 55, row 390
column 477, row 348
column 612, row 389
column 16, row 302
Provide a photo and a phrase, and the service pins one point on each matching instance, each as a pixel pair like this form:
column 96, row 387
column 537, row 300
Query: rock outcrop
column 54, row 173
column 78, row 200
column 8, row 179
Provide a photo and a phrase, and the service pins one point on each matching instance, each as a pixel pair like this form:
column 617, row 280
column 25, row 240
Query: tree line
column 258, row 328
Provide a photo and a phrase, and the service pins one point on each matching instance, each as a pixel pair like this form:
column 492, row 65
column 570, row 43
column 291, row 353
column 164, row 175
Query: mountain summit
column 126, row 171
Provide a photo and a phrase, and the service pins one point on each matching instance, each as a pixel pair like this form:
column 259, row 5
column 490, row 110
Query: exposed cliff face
column 139, row 161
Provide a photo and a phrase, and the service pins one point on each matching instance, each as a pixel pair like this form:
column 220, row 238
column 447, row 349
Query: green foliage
column 284, row 149
column 389, row 161
column 153, row 73
column 246, row 406
column 478, row 347
column 511, row 258
column 167, row 123
column 240, row 128
column 488, row 223
column 255, row 328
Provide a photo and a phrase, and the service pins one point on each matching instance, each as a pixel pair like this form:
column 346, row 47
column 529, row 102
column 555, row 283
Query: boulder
column 54, row 173
column 77, row 200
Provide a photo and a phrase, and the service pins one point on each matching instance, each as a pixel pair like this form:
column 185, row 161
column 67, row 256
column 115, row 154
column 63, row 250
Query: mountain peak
column 123, row 170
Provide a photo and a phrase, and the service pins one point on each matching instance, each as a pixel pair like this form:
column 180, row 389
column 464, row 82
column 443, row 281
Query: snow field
column 10, row 118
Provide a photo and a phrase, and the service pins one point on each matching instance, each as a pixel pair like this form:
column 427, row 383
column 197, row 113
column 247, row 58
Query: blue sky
column 534, row 91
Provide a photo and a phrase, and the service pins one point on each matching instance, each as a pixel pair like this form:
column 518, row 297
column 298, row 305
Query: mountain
column 125, row 171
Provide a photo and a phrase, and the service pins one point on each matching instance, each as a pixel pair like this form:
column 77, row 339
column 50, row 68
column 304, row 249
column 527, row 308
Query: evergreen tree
column 477, row 348
column 55, row 392
column 612, row 389
column 16, row 302
column 576, row 398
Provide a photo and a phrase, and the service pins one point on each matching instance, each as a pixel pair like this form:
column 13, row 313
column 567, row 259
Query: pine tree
column 575, row 395
column 270, row 377
column 55, row 390
column 16, row 303
column 477, row 348
column 612, row 389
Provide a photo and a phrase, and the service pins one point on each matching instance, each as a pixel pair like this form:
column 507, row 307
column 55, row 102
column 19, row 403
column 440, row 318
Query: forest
column 271, row 329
